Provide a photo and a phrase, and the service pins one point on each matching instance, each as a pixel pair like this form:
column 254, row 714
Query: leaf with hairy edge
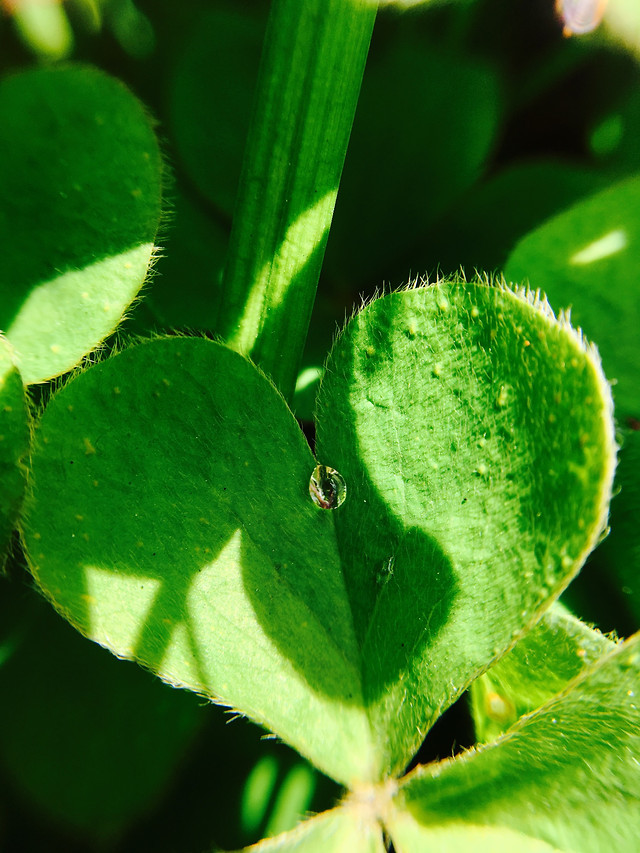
column 169, row 519
column 471, row 501
column 80, row 183
column 337, row 831
column 586, row 259
column 475, row 434
column 539, row 666
column 567, row 774
column 14, row 444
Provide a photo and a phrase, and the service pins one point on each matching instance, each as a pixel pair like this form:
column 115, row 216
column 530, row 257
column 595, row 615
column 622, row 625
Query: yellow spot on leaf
column 89, row 449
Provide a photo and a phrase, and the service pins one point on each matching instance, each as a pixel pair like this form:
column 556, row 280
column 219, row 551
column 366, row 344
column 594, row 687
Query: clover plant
column 342, row 593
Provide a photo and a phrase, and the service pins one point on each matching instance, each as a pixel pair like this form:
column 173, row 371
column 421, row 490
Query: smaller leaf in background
column 343, row 829
column 567, row 775
column 466, row 237
column 185, row 290
column 425, row 124
column 210, row 98
column 475, row 433
column 14, row 445
column 618, row 557
column 613, row 133
column 89, row 741
column 80, row 182
column 539, row 666
column 586, row 259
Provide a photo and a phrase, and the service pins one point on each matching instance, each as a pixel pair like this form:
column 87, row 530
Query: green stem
column 310, row 76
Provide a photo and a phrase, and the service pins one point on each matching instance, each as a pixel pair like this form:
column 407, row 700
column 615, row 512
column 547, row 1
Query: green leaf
column 198, row 243
column 539, row 666
column 410, row 836
column 210, row 123
column 14, row 445
column 90, row 741
column 469, row 238
column 337, row 831
column 169, row 519
column 618, row 557
column 425, row 123
column 568, row 774
column 80, row 179
column 586, row 259
column 475, row 435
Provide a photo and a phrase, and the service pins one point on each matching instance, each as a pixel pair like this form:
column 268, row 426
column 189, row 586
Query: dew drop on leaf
column 327, row 487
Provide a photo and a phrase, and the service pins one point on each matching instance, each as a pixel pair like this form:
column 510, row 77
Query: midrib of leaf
column 355, row 666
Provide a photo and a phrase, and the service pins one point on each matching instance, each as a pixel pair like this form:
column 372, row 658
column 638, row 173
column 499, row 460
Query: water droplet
column 327, row 487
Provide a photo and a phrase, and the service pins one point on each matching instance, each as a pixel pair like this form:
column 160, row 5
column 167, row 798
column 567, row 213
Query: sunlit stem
column 310, row 76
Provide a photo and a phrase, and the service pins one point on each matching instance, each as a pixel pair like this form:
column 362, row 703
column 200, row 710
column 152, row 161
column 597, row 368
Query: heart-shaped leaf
column 169, row 515
column 80, row 179
column 575, row 757
column 474, row 432
column 14, row 444
column 169, row 518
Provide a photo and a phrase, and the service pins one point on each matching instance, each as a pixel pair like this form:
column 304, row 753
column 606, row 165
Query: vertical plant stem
column 310, row 76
